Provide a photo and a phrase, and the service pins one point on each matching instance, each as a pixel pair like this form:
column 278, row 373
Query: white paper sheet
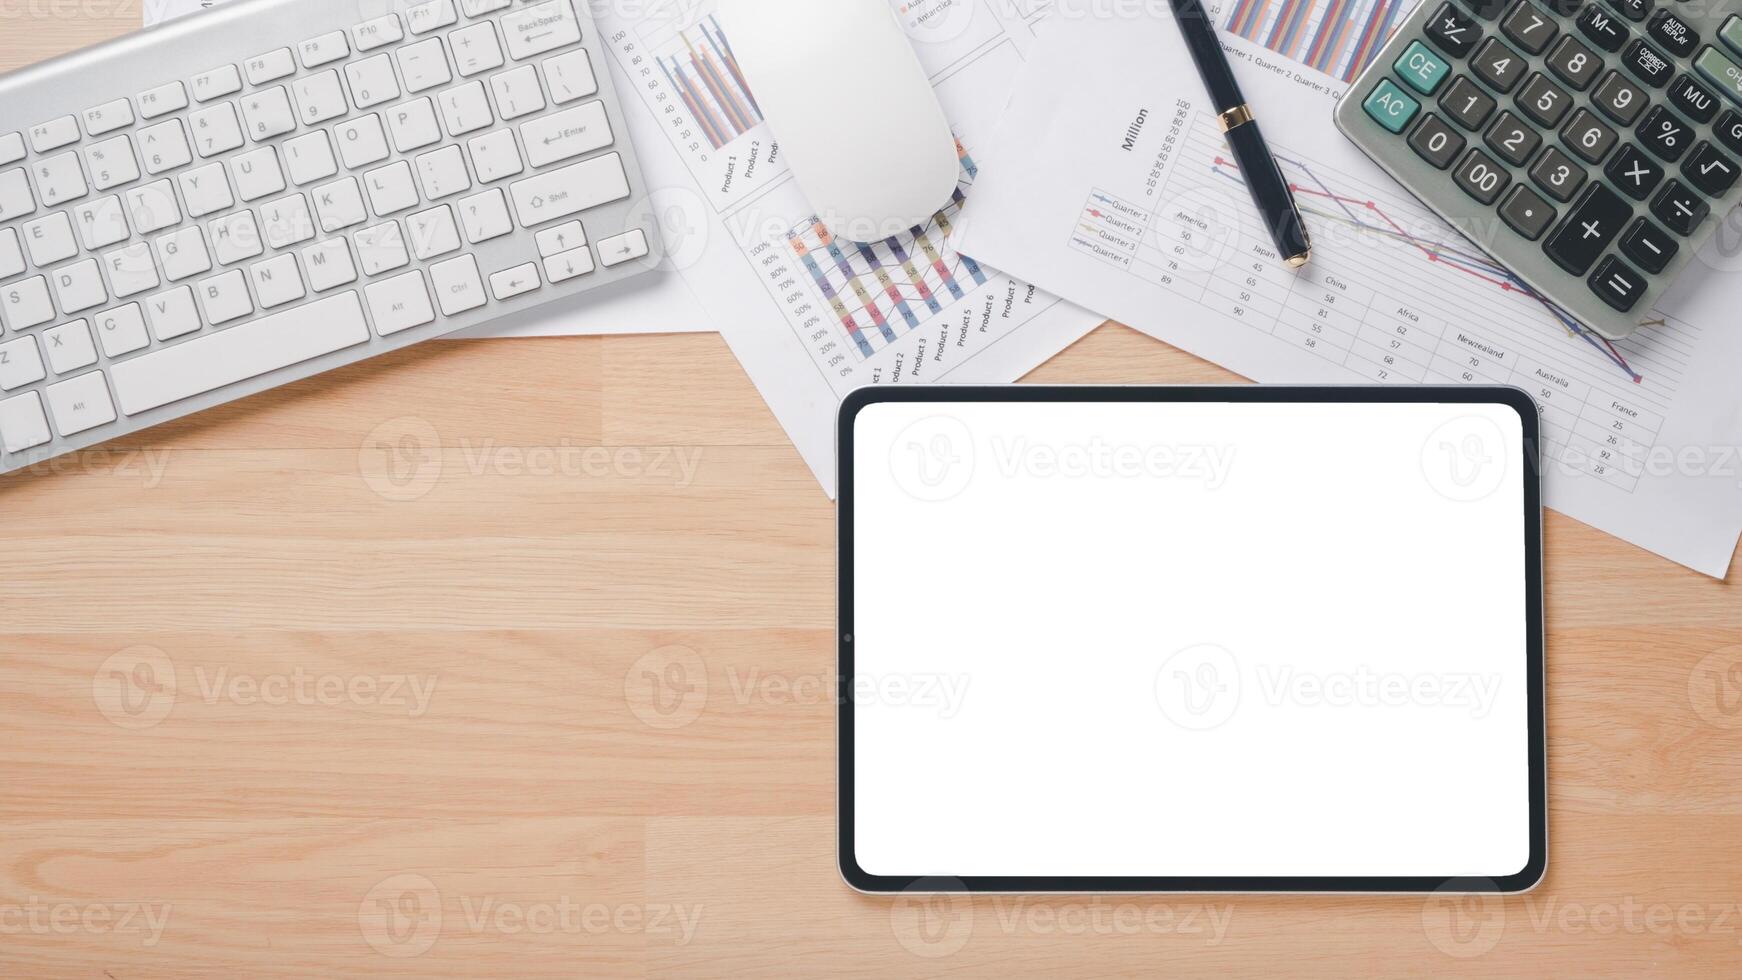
column 811, row 319
column 658, row 302
column 1112, row 187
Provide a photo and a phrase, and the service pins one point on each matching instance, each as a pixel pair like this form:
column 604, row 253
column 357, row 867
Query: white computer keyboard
column 275, row 188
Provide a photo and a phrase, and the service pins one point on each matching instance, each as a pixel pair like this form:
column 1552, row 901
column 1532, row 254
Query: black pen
column 1263, row 177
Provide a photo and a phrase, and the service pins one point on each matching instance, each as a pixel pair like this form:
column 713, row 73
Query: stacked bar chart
column 881, row 290
column 1337, row 37
column 705, row 75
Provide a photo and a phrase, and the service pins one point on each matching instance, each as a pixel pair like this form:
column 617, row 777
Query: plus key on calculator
column 1605, row 135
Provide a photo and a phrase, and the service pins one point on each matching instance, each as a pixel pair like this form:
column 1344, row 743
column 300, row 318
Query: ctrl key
column 22, row 424
column 1390, row 106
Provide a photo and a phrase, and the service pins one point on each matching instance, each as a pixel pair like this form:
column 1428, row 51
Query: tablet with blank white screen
column 1170, row 639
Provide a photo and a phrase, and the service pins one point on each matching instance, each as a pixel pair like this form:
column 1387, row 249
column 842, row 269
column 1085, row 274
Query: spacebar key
column 238, row 353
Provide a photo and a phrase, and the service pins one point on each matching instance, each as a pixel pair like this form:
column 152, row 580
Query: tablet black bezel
column 1527, row 877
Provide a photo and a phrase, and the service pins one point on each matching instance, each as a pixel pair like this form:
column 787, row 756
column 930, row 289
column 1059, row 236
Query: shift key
column 570, row 190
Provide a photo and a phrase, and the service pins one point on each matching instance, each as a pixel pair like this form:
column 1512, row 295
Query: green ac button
column 1391, row 106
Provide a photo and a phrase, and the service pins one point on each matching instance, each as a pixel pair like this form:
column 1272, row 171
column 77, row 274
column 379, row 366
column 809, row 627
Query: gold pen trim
column 1240, row 115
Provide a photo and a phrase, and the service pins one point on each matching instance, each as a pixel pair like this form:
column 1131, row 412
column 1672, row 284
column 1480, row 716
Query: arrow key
column 512, row 282
column 561, row 238
column 564, row 266
column 622, row 248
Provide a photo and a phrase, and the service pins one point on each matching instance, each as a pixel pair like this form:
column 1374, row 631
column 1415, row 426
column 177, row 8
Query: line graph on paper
column 1393, row 295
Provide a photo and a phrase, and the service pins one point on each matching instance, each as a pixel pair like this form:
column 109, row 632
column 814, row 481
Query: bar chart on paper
column 698, row 63
column 1337, row 37
column 1392, row 295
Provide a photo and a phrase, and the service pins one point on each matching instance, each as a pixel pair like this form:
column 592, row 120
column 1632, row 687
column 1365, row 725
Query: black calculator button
column 1486, row 9
column 1678, row 208
column 1588, row 230
column 1620, row 99
column 1467, row 104
column 1576, row 64
column 1617, row 284
column 1649, row 246
column 1587, row 137
column 1729, row 130
column 1526, row 213
column 1647, row 64
column 1512, row 140
column 1674, row 34
column 1453, row 31
column 1481, row 177
column 1634, row 172
column 1498, row 65
column 1603, row 27
column 1711, row 172
column 1695, row 101
column 1634, row 10
column 1436, row 142
column 1664, row 134
column 1559, row 175
column 1528, row 27
column 1544, row 101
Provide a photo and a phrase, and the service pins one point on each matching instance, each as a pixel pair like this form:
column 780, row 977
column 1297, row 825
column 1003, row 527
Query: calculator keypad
column 1606, row 132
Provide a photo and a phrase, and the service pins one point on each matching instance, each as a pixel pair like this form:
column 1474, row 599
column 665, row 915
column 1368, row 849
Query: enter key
column 566, row 134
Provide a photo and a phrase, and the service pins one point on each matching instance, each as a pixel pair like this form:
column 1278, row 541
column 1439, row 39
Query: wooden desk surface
column 507, row 658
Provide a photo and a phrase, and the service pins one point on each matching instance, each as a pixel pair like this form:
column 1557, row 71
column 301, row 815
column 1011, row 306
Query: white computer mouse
column 847, row 100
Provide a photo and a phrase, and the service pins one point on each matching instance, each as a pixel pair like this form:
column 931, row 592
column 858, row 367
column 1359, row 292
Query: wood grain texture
column 357, row 677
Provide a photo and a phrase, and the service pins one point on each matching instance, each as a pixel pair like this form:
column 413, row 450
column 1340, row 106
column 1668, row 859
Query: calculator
column 1590, row 148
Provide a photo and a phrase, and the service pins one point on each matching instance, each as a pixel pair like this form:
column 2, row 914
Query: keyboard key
column 1634, row 172
column 216, row 130
column 475, row 49
column 323, row 50
column 81, row 404
column 1576, row 64
column 1588, row 229
column 478, row 8
column 510, row 283
column 425, row 17
column 1665, row 135
column 69, row 347
column 268, row 113
column 1587, row 137
column 22, row 424
column 54, row 134
column 1557, row 174
column 217, row 83
column 1620, row 99
column 1721, row 72
column 442, row 172
column 309, row 158
column 1650, row 247
column 11, row 147
column 495, row 155
column 571, row 190
column 234, row 237
column 257, row 174
column 562, row 238
column 162, row 100
column 270, row 66
column 1433, row 141
column 25, row 303
column 151, row 207
column 1618, row 285
column 1731, row 33
column 381, row 248
column 182, row 253
column 130, row 269
column 102, row 222
column 539, row 28
column 413, row 125
column 122, row 330
column 1420, row 68
column 361, row 140
column 225, row 297
column 1602, row 27
column 108, row 117
column 485, row 216
column 1633, row 10
column 372, row 81
column 1692, row 99
column 517, row 92
column 433, row 232
column 50, row 239
column 465, row 108
column 1679, row 208
column 399, row 303
column 1527, row 27
column 59, row 179
column 79, row 287
column 164, row 147
column 1512, row 140
column 329, row 264
column 572, row 264
column 632, row 245
column 287, row 221
column 244, row 351
column 11, row 256
column 1544, row 101
column 339, row 204
column 1498, row 65
column 391, row 188
column 112, row 163
column 1711, row 172
column 570, row 75
column 585, row 128
column 1467, row 104
column 276, row 281
column 173, row 314
column 16, row 201
column 458, row 287
column 1647, row 64
column 319, row 97
column 20, row 363
column 1674, row 34
column 423, row 65
column 372, row 34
